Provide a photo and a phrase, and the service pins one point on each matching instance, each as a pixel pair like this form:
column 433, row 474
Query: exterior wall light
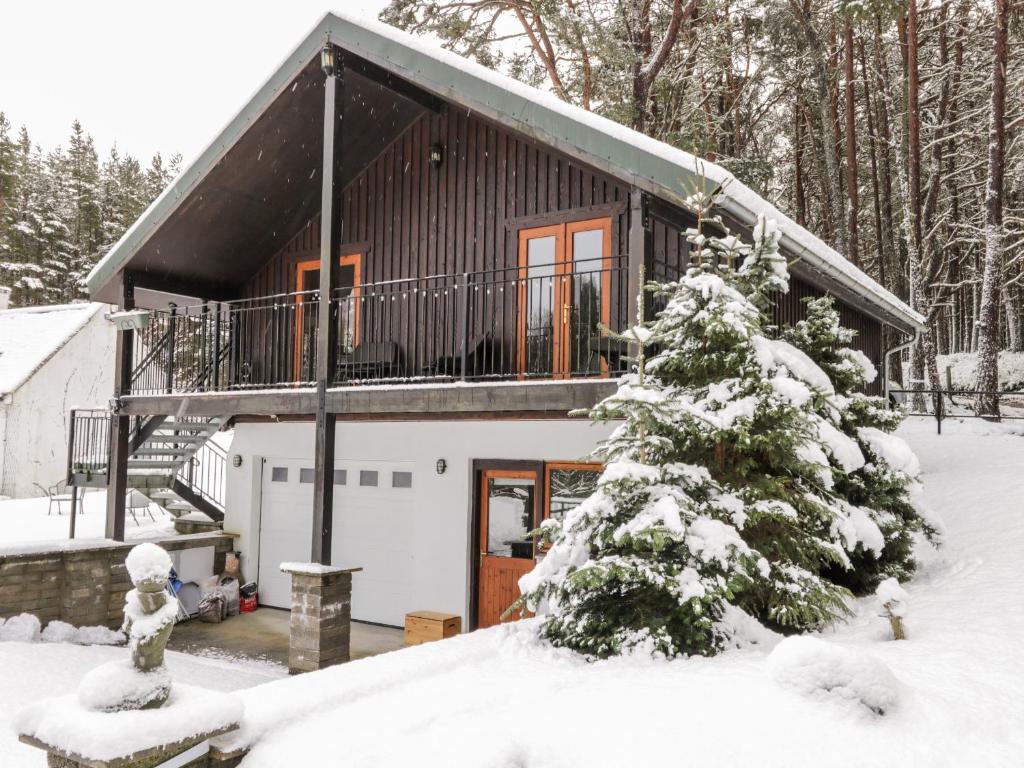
column 441, row 465
column 129, row 320
column 327, row 60
column 435, row 155
column 236, row 460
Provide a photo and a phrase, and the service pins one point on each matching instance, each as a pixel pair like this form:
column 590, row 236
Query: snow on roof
column 641, row 160
column 32, row 335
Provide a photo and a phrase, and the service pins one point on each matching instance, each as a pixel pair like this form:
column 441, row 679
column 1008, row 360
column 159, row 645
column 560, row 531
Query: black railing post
column 204, row 333
column 464, row 311
column 171, row 323
column 216, row 349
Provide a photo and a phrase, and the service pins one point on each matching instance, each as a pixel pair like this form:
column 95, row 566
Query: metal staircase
column 174, row 461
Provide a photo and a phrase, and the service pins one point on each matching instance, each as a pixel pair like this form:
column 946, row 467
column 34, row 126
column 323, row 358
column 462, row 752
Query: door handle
column 482, row 554
column 565, row 313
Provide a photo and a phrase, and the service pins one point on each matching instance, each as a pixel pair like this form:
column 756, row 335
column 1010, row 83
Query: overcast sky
column 149, row 75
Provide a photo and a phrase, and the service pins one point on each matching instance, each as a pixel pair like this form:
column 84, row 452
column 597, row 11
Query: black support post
column 120, row 424
column 639, row 247
column 327, row 330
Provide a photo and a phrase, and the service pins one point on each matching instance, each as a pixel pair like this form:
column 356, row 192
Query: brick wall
column 82, row 583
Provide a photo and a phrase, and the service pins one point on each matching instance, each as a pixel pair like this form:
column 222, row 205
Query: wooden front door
column 564, row 298
column 507, row 514
column 307, row 287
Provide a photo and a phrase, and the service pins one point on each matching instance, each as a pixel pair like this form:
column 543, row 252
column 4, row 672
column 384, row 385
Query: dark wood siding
column 415, row 221
column 411, row 220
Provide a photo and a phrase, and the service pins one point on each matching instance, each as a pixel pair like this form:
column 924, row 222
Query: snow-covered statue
column 149, row 615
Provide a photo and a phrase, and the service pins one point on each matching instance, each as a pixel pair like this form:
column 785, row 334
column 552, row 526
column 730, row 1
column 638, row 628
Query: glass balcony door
column 564, row 299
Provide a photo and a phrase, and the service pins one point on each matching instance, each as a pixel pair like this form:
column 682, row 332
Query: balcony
column 547, row 322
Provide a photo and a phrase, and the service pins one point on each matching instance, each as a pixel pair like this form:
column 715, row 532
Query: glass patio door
column 307, row 286
column 564, row 296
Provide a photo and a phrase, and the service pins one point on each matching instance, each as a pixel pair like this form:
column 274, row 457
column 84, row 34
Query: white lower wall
column 442, row 508
column 35, row 436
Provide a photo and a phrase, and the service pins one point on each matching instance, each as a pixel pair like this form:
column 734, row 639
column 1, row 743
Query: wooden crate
column 426, row 626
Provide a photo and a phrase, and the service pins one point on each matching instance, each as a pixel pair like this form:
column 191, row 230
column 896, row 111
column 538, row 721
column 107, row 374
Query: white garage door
column 373, row 529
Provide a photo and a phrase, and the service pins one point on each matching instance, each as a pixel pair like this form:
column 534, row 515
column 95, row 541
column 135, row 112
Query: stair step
column 134, row 463
column 158, row 495
column 183, row 506
column 159, row 438
column 152, row 451
column 193, row 426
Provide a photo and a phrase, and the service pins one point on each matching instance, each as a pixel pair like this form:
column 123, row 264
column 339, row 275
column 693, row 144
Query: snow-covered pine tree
column 870, row 484
column 718, row 435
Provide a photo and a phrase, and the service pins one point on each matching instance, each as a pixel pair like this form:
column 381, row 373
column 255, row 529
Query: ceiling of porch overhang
column 266, row 186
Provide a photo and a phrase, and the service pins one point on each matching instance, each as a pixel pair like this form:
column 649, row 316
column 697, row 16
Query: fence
column 941, row 404
column 544, row 321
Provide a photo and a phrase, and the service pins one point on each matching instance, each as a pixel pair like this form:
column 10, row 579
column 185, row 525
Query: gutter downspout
column 892, row 351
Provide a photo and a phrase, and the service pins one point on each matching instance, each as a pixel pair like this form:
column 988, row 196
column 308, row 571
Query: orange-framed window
column 566, row 484
column 564, row 299
column 307, row 280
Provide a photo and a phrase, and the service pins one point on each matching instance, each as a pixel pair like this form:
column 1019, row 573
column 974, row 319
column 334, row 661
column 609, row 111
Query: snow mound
column 62, row 632
column 892, row 450
column 23, row 628
column 148, row 562
column 118, row 685
column 824, row 671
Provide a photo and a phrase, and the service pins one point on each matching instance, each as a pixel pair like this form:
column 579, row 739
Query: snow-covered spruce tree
column 717, row 488
column 651, row 558
column 869, row 482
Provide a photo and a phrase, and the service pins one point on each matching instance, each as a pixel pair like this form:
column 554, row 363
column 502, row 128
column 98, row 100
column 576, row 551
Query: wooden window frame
column 349, row 259
column 564, row 269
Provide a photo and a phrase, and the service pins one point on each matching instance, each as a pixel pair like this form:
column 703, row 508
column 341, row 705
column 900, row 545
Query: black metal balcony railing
column 507, row 324
column 88, row 445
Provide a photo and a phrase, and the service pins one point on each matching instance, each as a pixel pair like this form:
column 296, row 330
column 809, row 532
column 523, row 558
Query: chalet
column 392, row 272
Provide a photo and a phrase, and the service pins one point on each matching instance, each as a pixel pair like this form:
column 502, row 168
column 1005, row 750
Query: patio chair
column 451, row 365
column 58, row 494
column 369, row 360
column 135, row 501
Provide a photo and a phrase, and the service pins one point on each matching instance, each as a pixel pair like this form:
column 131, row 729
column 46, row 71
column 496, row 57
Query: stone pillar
column 321, row 616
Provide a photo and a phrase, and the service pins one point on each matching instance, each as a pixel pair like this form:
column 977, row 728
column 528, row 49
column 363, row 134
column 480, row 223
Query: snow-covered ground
column 952, row 694
column 26, row 520
column 30, row 672
column 499, row 698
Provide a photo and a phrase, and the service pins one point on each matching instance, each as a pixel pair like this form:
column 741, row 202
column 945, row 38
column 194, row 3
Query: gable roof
column 30, row 336
column 651, row 165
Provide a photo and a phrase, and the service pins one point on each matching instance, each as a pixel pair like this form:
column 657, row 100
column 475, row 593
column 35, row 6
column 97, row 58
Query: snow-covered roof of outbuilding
column 651, row 165
column 32, row 335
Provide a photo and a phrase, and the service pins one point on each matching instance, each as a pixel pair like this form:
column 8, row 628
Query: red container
column 247, row 604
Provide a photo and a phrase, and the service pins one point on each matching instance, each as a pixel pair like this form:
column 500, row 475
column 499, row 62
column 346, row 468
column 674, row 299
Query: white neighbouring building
column 488, row 235
column 52, row 359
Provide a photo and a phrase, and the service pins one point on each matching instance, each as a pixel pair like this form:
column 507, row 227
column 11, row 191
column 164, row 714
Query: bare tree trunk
column 881, row 234
column 1012, row 310
column 822, row 85
column 852, row 252
column 992, row 273
column 923, row 352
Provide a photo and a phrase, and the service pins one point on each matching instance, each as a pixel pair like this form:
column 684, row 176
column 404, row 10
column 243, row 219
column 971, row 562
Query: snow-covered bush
column 877, row 474
column 827, row 672
column 23, row 628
